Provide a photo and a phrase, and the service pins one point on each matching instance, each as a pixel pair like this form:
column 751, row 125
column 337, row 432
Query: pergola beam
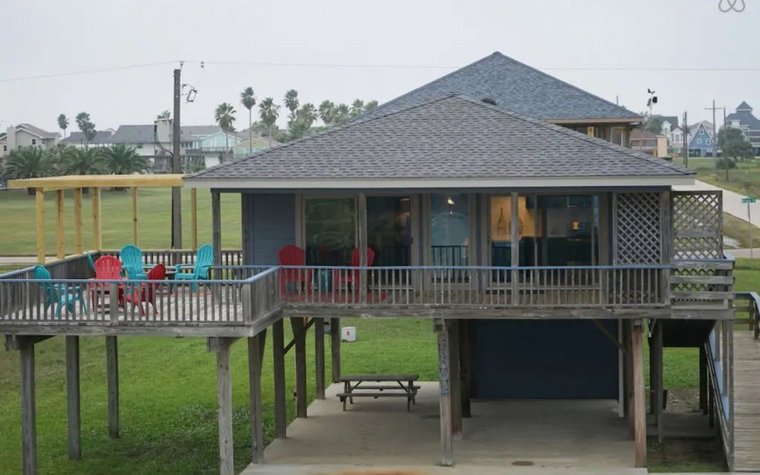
column 39, row 200
column 135, row 224
column 78, row 242
column 60, row 237
column 97, row 238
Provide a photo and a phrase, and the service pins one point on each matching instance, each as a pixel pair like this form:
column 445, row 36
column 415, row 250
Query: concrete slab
column 379, row 436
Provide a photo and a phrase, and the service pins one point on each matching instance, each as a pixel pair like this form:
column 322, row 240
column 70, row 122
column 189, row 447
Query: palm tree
column 357, row 107
column 291, row 102
column 82, row 162
column 121, row 159
column 342, row 114
column 164, row 115
column 248, row 101
column 327, row 112
column 26, row 162
column 63, row 123
column 224, row 116
column 269, row 111
column 86, row 126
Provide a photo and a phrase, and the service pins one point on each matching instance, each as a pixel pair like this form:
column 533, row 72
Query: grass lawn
column 739, row 230
column 116, row 218
column 744, row 179
column 168, row 398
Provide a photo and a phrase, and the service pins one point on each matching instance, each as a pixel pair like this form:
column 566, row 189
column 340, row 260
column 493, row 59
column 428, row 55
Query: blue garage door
column 543, row 359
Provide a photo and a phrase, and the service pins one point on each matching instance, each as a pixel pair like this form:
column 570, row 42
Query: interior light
column 450, row 201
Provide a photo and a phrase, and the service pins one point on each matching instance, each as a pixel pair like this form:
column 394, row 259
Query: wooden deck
column 746, row 402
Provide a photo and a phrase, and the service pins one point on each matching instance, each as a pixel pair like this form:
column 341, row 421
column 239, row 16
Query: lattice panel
column 697, row 224
column 638, row 231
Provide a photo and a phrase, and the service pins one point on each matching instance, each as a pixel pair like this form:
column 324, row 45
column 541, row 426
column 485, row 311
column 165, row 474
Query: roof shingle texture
column 453, row 137
column 516, row 87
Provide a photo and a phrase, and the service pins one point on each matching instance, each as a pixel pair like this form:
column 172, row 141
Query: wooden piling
column 455, row 375
column 299, row 334
column 278, row 345
column 224, row 397
column 444, row 383
column 112, row 375
column 28, row 407
column 639, row 405
column 319, row 358
column 255, row 363
column 335, row 348
column 73, row 404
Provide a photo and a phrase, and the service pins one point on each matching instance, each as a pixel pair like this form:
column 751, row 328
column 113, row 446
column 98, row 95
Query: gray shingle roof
column 744, row 107
column 516, row 87
column 450, row 138
column 39, row 132
column 143, row 133
column 101, row 137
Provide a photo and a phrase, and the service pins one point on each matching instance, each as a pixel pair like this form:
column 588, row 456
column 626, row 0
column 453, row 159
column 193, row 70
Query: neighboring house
column 26, row 135
column 154, row 141
column 258, row 144
column 673, row 131
column 505, row 82
column 749, row 124
column 103, row 138
column 645, row 141
column 216, row 147
column 701, row 143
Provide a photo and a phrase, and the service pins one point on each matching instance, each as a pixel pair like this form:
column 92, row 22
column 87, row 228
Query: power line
column 87, row 71
column 375, row 66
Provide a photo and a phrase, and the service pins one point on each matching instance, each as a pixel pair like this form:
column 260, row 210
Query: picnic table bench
column 380, row 385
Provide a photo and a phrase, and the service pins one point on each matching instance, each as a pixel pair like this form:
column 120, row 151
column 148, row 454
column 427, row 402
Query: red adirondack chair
column 106, row 268
column 351, row 277
column 145, row 294
column 293, row 280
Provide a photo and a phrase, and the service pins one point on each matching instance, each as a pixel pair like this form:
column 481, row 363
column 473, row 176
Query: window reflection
column 450, row 229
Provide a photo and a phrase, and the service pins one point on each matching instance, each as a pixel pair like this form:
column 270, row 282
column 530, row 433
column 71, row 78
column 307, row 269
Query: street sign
column 749, row 199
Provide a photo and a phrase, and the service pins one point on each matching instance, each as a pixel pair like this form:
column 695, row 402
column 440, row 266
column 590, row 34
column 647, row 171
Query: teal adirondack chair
column 132, row 262
column 204, row 258
column 58, row 295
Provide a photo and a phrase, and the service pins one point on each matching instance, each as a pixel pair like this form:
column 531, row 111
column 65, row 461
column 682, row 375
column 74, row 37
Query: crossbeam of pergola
column 59, row 184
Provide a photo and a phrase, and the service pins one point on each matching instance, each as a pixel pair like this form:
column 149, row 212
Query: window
column 708, row 142
column 449, row 229
column 389, row 229
column 330, row 231
column 34, row 141
column 5, row 148
column 699, row 141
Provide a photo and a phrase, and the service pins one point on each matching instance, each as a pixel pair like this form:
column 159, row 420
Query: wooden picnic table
column 379, row 385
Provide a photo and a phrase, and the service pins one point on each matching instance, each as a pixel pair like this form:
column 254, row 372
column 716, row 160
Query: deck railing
column 450, row 286
column 240, row 294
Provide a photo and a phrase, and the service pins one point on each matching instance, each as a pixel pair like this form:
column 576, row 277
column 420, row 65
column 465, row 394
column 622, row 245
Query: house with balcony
column 744, row 120
column 542, row 253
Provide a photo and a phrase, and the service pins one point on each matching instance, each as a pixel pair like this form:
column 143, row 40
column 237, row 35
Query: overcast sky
column 341, row 50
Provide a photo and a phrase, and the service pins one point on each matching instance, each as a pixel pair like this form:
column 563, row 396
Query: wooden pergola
column 77, row 183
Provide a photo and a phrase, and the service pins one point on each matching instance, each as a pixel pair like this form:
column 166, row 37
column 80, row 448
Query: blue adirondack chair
column 132, row 262
column 58, row 295
column 204, row 258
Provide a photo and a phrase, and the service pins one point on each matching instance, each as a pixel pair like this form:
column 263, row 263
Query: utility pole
column 685, row 134
column 715, row 133
column 176, row 166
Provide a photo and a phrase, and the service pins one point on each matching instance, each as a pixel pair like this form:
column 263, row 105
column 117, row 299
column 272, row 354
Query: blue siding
column 543, row 359
column 272, row 218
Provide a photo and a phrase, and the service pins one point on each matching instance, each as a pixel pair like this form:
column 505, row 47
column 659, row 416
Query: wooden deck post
column 299, row 334
column 319, row 358
column 194, row 217
column 224, row 397
column 60, row 236
column 278, row 347
column 112, row 375
column 335, row 348
column 216, row 228
column 444, row 383
column 658, row 383
column 135, row 226
column 78, row 241
column 97, row 236
column 628, row 377
column 515, row 247
column 639, row 405
column 39, row 200
column 28, row 406
column 362, row 241
column 73, row 405
column 255, row 363
column 455, row 376
column 464, row 367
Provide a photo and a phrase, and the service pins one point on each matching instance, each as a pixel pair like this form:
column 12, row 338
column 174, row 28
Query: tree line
column 301, row 117
column 35, row 162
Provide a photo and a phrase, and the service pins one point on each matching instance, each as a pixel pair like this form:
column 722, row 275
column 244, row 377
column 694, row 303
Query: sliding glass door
column 330, row 231
column 449, row 230
column 389, row 230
